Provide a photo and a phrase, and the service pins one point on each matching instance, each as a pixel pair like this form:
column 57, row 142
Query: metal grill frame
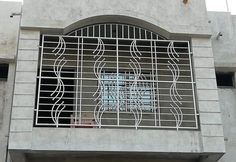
column 59, row 51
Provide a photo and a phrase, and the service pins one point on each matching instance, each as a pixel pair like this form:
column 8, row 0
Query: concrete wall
column 8, row 44
column 173, row 16
column 228, row 108
column 224, row 50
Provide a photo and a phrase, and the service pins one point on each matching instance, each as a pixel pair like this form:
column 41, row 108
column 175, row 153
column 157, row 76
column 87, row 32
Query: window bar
column 140, row 35
column 117, row 32
column 117, row 82
column 93, row 30
column 81, row 80
column 153, row 85
column 99, row 28
column 122, row 29
column 145, row 34
column 157, row 91
column 105, row 30
column 39, row 79
column 87, row 31
column 128, row 32
column 77, row 84
column 193, row 85
column 111, row 30
column 134, row 32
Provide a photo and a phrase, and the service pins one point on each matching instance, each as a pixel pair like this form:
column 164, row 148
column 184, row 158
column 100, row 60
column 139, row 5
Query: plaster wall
column 8, row 45
column 9, row 30
column 224, row 48
column 173, row 16
column 228, row 109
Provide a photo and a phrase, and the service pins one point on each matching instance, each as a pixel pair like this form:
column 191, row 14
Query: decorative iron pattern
column 115, row 82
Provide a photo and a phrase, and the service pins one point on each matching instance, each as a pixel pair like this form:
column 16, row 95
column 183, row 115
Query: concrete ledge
column 83, row 139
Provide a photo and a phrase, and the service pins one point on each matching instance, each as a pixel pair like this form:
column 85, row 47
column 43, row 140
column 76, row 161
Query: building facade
column 116, row 81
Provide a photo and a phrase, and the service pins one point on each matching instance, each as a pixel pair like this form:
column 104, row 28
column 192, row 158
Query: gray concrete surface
column 173, row 16
column 9, row 30
column 228, row 109
column 8, row 45
column 224, row 50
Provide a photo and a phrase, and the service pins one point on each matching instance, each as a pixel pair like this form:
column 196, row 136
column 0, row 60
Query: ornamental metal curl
column 58, row 93
column 135, row 94
column 98, row 67
column 173, row 92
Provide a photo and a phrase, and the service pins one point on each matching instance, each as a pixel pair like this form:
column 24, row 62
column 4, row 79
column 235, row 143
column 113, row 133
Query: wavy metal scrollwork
column 98, row 67
column 173, row 92
column 135, row 94
column 58, row 93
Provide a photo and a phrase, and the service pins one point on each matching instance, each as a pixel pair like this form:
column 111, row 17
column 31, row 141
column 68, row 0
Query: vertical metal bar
column 39, row 83
column 157, row 84
column 151, row 35
column 122, row 29
column 105, row 30
column 126, row 92
column 99, row 30
column 140, row 35
column 128, row 32
column 145, row 34
column 81, row 80
column 87, row 31
column 77, row 83
column 117, row 82
column 111, row 30
column 117, row 32
column 153, row 85
column 193, row 87
column 134, row 32
column 93, row 30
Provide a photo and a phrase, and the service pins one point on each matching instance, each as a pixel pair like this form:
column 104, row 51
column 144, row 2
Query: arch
column 117, row 19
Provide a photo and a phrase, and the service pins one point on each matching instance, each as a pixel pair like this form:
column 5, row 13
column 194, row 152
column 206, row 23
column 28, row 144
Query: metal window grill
column 113, row 30
column 99, row 82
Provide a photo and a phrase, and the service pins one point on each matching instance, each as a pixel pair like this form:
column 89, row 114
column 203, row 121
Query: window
column 127, row 92
column 3, row 71
column 115, row 75
column 225, row 79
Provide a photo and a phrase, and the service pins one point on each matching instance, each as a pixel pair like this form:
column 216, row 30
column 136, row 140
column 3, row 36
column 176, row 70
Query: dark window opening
column 225, row 79
column 4, row 71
